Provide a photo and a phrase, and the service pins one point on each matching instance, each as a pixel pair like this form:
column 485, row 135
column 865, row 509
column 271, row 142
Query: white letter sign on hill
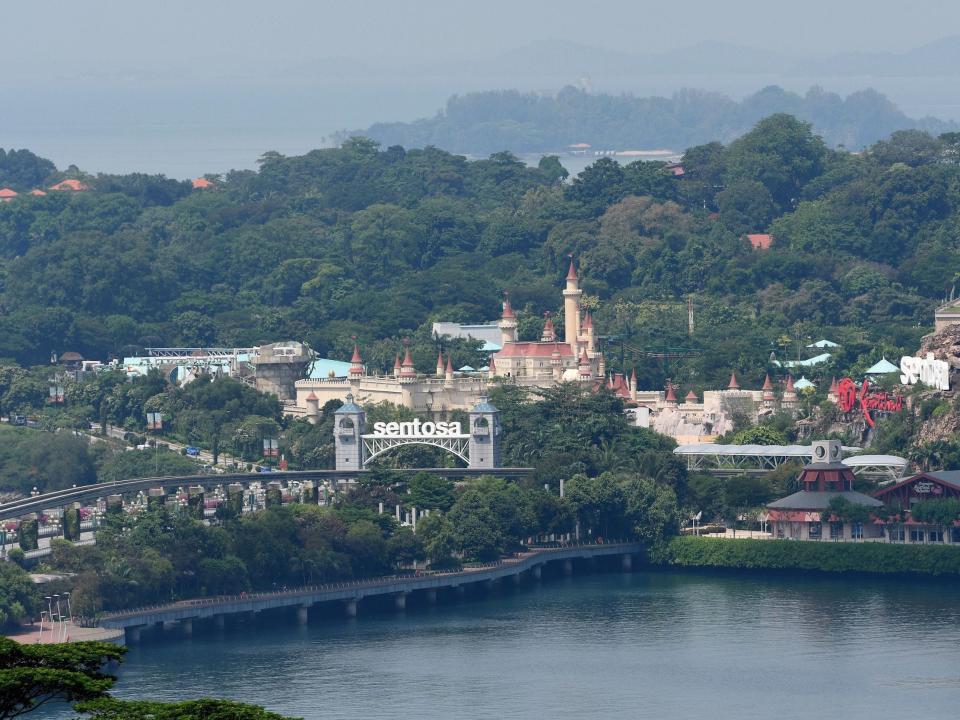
column 418, row 428
column 929, row 371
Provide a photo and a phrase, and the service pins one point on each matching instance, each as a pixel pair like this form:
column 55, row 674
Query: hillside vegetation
column 484, row 122
column 378, row 243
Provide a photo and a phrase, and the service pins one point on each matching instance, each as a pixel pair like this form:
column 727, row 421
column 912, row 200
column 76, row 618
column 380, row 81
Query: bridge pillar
column 626, row 562
column 187, row 625
column 219, row 621
column 303, row 614
column 516, row 579
column 400, row 601
column 350, row 608
column 568, row 567
column 536, row 572
column 460, row 590
column 133, row 635
column 431, row 596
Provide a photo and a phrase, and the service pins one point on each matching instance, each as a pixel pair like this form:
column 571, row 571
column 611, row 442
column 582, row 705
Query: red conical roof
column 789, row 383
column 670, row 398
column 767, row 385
column 691, row 397
column 507, row 309
column 833, row 386
column 440, row 360
column 587, row 321
column 396, row 364
column 356, row 354
column 450, row 364
column 407, row 360
column 733, row 384
column 572, row 272
column 312, row 396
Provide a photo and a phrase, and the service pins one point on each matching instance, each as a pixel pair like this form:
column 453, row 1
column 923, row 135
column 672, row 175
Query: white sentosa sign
column 417, row 428
column 929, row 371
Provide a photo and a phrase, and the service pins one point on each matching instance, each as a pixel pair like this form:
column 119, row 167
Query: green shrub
column 879, row 558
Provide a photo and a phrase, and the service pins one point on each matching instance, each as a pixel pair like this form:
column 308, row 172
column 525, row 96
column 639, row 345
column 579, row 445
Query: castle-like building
column 542, row 363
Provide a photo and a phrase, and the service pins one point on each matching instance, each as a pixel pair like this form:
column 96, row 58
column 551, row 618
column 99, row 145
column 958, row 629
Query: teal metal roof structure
column 803, row 384
column 809, row 362
column 323, row 368
column 823, row 344
column 884, row 367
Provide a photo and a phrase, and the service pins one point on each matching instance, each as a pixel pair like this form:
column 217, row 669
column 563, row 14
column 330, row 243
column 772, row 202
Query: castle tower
column 349, row 422
column 789, row 393
column 768, row 396
column 508, row 323
column 571, row 309
column 633, row 384
column 583, row 365
column 356, row 363
column 397, row 367
column 549, row 334
column 691, row 398
column 733, row 384
column 588, row 332
column 484, row 435
column 448, row 374
column 407, row 370
column 671, row 398
column 555, row 363
column 440, row 364
column 313, row 408
column 832, row 394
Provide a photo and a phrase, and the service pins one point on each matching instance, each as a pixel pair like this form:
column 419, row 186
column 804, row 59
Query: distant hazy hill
column 485, row 122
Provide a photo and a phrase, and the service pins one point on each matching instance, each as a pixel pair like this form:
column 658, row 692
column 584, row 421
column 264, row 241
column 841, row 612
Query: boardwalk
column 350, row 593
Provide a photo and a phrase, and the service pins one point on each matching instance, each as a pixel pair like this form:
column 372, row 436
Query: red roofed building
column 70, row 185
column 202, row 184
column 6, row 194
column 37, row 192
column 760, row 241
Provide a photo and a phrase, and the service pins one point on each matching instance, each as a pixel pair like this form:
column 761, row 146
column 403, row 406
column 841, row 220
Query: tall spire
column 439, row 363
column 571, row 310
column 508, row 323
column 356, row 362
column 396, row 366
column 768, row 396
column 670, row 397
column 572, row 272
column 733, row 384
column 507, row 308
column 584, row 364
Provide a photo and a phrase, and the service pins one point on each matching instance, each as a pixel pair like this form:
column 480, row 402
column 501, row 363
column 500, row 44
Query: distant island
column 482, row 123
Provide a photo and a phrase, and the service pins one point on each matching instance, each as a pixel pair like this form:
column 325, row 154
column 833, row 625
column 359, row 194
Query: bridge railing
column 362, row 583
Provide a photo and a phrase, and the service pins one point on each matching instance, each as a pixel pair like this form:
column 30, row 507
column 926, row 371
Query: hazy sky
column 57, row 33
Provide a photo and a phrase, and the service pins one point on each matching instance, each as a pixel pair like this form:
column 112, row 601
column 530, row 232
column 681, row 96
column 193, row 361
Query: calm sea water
column 641, row 645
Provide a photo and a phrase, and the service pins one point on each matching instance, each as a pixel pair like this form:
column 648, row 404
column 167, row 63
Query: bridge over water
column 65, row 498
column 351, row 593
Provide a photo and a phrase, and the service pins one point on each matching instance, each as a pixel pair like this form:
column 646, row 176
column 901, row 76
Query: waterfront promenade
column 350, row 594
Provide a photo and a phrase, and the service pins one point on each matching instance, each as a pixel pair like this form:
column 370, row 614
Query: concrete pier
column 303, row 614
column 626, row 562
column 536, row 572
column 460, row 591
column 516, row 579
column 187, row 625
column 350, row 608
column 219, row 621
column 400, row 601
column 568, row 567
column 431, row 597
column 133, row 635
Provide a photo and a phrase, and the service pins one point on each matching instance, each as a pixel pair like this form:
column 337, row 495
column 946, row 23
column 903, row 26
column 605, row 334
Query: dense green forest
column 485, row 122
column 378, row 243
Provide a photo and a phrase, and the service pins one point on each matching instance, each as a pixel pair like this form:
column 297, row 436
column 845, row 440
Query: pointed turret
column 691, row 398
column 549, row 334
column 833, row 394
column 439, row 364
column 508, row 323
column 768, row 396
column 313, row 407
column 671, row 398
column 572, row 272
column 397, row 366
column 733, row 384
column 356, row 362
column 448, row 373
column 789, row 393
column 633, row 384
column 407, row 370
column 583, row 365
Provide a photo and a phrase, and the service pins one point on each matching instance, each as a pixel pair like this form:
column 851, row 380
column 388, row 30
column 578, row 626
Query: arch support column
column 568, row 567
column 350, row 607
column 303, row 614
column 400, row 601
column 626, row 562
